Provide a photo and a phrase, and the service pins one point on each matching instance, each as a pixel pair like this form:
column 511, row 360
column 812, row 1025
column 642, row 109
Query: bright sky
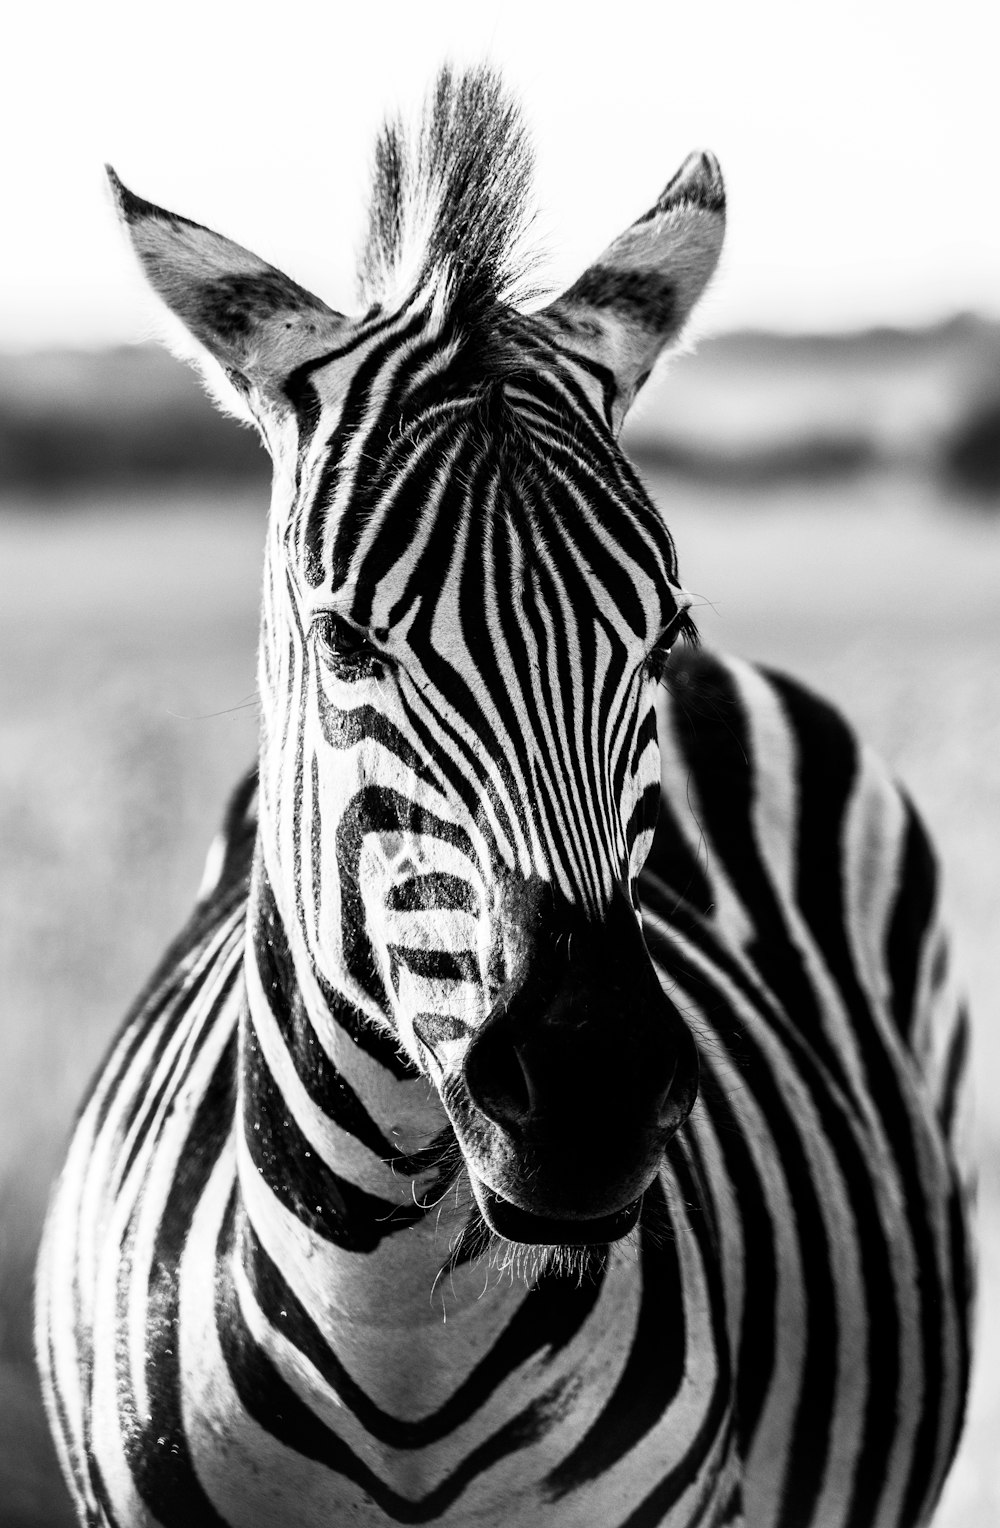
column 859, row 141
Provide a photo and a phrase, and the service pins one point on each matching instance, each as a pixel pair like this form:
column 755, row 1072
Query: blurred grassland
column 127, row 710
column 747, row 409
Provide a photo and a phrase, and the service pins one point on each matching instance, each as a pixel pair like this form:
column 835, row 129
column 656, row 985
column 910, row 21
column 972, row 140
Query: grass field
column 126, row 711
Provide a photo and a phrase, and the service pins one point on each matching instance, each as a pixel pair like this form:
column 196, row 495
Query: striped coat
column 552, row 1111
column 799, row 1284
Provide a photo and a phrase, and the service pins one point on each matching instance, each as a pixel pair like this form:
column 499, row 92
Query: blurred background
column 828, row 459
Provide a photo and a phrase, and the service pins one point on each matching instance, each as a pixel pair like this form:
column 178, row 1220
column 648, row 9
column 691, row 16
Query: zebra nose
column 586, row 1043
column 580, row 1109
column 566, row 1076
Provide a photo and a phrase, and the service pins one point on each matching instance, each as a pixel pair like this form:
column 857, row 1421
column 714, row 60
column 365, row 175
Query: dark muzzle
column 584, row 1069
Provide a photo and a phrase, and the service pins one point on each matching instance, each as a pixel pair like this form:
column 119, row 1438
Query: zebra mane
column 449, row 199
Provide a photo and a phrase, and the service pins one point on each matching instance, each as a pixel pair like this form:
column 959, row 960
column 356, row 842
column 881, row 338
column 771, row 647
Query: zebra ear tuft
column 248, row 318
column 636, row 298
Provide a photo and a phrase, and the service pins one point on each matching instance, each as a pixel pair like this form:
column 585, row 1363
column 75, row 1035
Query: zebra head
column 468, row 603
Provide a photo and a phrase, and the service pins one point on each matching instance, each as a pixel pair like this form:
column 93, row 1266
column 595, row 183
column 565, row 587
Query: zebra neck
column 349, row 1193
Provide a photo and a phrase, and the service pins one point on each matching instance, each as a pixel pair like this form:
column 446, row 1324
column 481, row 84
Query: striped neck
column 347, row 1163
column 341, row 1239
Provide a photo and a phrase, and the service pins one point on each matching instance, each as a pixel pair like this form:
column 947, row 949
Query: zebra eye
column 659, row 659
column 347, row 650
column 681, row 629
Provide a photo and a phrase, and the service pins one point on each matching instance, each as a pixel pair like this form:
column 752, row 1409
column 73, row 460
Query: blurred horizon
column 747, row 409
column 156, row 332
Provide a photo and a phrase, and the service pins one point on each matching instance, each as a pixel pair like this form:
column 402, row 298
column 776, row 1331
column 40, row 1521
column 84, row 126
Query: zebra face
column 462, row 768
column 467, row 602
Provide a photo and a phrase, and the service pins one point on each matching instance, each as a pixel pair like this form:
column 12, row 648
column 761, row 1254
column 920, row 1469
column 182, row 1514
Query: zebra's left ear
column 248, row 318
column 636, row 298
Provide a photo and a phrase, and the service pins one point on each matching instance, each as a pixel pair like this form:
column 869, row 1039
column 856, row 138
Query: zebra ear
column 636, row 298
column 247, row 317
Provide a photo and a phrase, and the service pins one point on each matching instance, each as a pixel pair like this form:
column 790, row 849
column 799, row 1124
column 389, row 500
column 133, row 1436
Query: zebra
column 553, row 1109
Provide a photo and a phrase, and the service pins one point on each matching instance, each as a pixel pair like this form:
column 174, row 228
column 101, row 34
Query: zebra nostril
column 498, row 1081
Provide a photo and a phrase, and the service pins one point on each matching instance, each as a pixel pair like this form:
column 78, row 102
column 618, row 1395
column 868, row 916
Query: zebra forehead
column 503, row 491
column 504, row 554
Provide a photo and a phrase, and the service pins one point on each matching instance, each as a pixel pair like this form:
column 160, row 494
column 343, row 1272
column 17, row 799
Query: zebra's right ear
column 637, row 296
column 248, row 318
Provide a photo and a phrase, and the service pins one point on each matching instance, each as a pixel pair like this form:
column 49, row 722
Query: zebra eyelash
column 681, row 629
column 658, row 661
column 348, row 651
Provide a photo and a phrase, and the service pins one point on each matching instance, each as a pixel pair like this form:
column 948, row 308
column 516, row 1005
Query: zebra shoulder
column 758, row 770
column 789, row 835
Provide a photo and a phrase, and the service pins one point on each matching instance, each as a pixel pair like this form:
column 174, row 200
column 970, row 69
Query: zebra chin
column 532, row 1227
column 575, row 1188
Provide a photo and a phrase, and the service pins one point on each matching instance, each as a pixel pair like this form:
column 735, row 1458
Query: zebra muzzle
column 574, row 1085
column 515, row 1224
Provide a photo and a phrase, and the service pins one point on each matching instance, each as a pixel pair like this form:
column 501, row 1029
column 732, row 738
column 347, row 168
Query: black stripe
column 154, row 1103
column 464, row 769
column 914, row 907
column 344, row 729
column 552, row 1313
column 817, row 1389
column 432, row 891
column 295, row 718
column 272, row 1403
column 301, row 391
column 758, row 1335
column 729, row 822
column 433, row 965
column 643, row 297
column 654, row 1370
column 644, row 814
column 954, row 1074
column 102, row 1496
column 157, row 1447
column 352, row 412
column 602, row 375
column 376, row 810
column 161, row 992
column 326, row 1203
column 715, row 738
column 963, row 1271
column 326, row 1086
column 846, row 1137
column 716, row 1420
